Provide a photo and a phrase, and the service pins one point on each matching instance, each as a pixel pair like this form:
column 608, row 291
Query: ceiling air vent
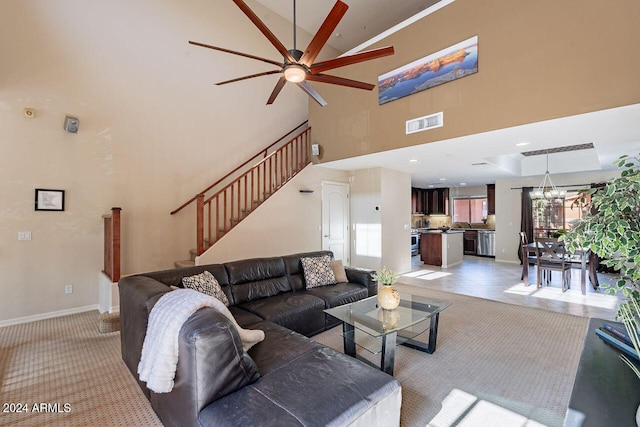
column 431, row 121
column 564, row 149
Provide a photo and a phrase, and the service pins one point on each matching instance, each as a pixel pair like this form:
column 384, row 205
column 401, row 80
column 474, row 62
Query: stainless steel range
column 415, row 243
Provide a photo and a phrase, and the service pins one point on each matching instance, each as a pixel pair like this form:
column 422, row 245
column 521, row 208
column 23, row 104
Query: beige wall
column 396, row 220
column 154, row 130
column 537, row 61
column 508, row 212
column 381, row 236
column 366, row 229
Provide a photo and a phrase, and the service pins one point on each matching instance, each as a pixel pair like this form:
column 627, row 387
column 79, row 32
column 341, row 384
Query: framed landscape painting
column 452, row 63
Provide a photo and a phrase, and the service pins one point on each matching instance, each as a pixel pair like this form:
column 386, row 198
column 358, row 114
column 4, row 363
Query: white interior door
column 335, row 220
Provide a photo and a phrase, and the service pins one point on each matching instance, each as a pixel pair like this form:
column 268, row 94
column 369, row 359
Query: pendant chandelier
column 546, row 189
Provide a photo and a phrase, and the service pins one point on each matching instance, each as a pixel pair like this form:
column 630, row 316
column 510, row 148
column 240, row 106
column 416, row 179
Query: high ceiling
column 364, row 20
column 482, row 158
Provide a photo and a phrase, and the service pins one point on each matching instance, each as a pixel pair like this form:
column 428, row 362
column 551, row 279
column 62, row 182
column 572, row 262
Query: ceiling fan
column 298, row 66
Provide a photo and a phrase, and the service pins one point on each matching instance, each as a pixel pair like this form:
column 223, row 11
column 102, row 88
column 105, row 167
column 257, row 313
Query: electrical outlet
column 24, row 235
column 68, row 289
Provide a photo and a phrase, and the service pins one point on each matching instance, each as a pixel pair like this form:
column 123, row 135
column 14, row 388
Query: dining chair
column 525, row 253
column 551, row 255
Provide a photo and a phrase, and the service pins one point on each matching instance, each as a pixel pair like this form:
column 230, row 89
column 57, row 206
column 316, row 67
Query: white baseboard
column 50, row 315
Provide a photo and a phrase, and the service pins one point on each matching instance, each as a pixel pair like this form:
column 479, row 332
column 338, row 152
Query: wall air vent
column 431, row 121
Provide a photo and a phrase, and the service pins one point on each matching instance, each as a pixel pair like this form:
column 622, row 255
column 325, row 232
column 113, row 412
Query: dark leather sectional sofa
column 285, row 380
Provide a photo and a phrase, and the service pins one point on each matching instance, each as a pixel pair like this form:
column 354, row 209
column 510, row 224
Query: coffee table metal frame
column 415, row 315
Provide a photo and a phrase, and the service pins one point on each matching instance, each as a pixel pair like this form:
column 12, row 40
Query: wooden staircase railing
column 112, row 244
column 219, row 213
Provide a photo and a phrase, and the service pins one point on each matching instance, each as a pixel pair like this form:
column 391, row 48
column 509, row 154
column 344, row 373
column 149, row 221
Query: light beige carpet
column 522, row 359
column 519, row 358
column 74, row 370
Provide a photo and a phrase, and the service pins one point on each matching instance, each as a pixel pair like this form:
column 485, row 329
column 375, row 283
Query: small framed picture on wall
column 49, row 200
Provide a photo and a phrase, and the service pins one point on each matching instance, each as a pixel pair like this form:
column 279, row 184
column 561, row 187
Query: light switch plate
column 24, row 235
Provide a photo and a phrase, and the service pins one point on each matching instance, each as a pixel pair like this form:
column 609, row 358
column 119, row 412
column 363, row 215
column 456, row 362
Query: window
column 550, row 216
column 469, row 209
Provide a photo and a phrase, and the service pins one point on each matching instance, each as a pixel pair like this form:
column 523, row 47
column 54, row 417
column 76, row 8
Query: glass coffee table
column 415, row 315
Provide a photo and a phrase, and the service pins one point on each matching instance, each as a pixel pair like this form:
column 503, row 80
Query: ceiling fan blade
column 351, row 59
column 266, row 73
column 326, row 29
column 246, row 55
column 305, row 86
column 264, row 30
column 325, row 78
column 276, row 90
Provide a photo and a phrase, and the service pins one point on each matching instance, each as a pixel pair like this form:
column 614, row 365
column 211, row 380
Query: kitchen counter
column 441, row 248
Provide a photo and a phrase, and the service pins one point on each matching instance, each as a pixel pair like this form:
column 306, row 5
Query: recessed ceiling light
column 522, row 144
column 463, row 183
column 413, row 160
column 431, row 185
column 443, row 179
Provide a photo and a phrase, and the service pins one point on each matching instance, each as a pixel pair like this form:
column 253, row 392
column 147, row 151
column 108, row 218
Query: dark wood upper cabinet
column 491, row 199
column 417, row 201
column 432, row 201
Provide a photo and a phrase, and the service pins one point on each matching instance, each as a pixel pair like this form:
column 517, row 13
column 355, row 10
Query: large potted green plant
column 612, row 231
column 612, row 228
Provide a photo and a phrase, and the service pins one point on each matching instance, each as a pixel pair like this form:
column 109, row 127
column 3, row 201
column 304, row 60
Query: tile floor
column 484, row 278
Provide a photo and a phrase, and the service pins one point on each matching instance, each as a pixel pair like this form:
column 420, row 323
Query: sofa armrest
column 137, row 296
column 211, row 365
column 364, row 277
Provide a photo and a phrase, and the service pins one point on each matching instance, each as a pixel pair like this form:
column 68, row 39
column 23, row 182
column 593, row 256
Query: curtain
column 526, row 217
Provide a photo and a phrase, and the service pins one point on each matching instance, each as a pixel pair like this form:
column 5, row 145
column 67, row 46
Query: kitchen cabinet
column 491, row 199
column 470, row 240
column 439, row 201
column 431, row 201
column 441, row 249
column 417, row 201
column 431, row 248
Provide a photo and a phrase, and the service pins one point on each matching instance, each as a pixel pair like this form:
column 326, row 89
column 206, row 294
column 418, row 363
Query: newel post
column 115, row 213
column 200, row 223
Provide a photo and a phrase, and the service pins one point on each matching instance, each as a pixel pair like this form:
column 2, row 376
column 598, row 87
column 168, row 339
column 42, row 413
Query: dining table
column 587, row 264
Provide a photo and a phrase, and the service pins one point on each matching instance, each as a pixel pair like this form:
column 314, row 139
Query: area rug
column 519, row 361
column 65, row 372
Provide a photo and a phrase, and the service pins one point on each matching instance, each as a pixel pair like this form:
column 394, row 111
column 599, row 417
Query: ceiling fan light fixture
column 295, row 73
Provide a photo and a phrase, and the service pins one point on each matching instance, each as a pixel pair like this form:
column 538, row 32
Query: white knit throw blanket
column 160, row 348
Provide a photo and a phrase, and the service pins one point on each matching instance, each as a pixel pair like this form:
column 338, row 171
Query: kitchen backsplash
column 437, row 221
column 434, row 221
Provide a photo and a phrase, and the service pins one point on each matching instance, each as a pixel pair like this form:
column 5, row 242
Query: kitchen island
column 441, row 248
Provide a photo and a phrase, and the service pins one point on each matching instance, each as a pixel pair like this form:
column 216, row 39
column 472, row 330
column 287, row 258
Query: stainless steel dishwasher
column 486, row 243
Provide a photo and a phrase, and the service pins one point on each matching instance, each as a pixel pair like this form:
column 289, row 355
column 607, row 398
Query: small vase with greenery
column 388, row 297
column 612, row 231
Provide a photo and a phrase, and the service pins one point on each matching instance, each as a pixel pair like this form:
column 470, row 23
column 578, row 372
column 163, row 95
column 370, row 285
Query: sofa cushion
column 294, row 267
column 297, row 311
column 338, row 271
column 279, row 346
column 206, row 284
column 317, row 271
column 323, row 387
column 245, row 318
column 174, row 276
column 338, row 294
column 252, row 279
